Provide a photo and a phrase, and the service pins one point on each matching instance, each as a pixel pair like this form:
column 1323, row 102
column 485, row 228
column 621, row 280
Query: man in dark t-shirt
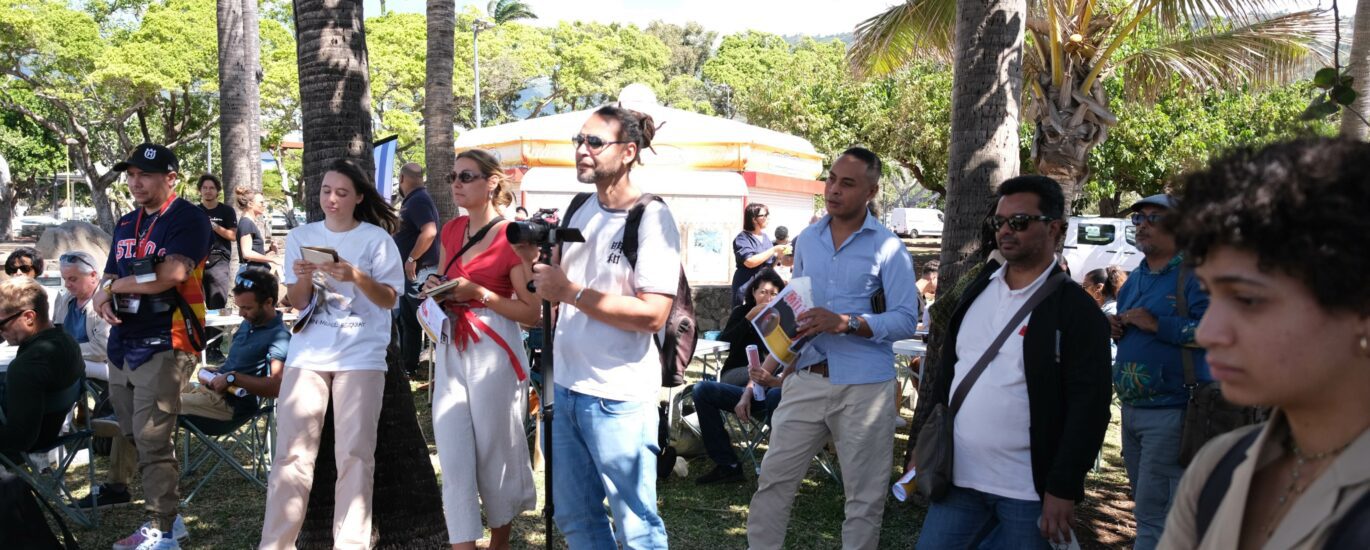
column 418, row 230
column 218, row 270
column 152, row 296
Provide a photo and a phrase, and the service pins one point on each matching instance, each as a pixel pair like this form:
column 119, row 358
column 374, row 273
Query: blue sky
column 726, row 16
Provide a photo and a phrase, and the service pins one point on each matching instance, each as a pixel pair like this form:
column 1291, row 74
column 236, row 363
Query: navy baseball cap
column 150, row 157
column 1162, row 200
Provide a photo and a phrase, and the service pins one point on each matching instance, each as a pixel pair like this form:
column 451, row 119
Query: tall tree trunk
column 1068, row 126
column 986, row 87
column 437, row 104
column 406, row 506
column 239, row 141
column 334, row 91
column 252, row 39
column 1351, row 125
column 7, row 195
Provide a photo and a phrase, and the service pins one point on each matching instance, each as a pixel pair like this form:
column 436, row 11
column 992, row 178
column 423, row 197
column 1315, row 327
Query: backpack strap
column 1215, row 488
column 631, row 225
column 1191, row 381
column 1353, row 529
column 576, row 202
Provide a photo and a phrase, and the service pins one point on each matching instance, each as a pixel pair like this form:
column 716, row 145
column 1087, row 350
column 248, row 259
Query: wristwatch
column 231, row 378
column 853, row 324
column 108, row 287
column 410, row 260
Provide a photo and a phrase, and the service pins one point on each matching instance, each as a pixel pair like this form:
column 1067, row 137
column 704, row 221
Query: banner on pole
column 383, row 153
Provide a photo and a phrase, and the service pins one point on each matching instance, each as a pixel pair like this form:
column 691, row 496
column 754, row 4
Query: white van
column 1093, row 242
column 916, row 222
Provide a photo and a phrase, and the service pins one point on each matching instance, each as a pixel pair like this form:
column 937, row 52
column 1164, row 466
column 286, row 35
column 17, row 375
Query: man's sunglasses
column 19, row 268
column 1016, row 222
column 5, row 323
column 595, row 142
column 1153, row 218
column 74, row 258
column 465, row 176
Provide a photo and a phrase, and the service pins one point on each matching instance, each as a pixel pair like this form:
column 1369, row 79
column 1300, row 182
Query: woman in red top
column 479, row 397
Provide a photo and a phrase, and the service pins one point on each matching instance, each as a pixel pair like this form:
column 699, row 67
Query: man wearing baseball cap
column 152, row 297
column 1148, row 374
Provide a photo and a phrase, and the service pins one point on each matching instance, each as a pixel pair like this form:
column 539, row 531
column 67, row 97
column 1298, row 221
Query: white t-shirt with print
column 591, row 356
column 350, row 332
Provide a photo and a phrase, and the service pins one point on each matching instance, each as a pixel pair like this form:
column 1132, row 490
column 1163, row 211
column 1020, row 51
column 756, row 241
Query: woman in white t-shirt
column 338, row 350
column 479, row 399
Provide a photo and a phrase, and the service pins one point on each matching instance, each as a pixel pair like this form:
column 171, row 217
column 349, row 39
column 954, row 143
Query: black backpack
column 681, row 331
column 22, row 525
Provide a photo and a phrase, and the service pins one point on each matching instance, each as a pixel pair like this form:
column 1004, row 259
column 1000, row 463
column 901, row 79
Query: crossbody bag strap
column 1186, row 356
column 470, row 243
column 1037, row 297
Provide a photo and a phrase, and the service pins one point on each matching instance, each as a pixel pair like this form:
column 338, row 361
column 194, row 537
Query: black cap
column 150, row 157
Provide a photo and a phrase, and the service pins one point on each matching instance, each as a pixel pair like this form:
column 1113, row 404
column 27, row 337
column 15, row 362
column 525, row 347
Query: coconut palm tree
column 438, row 137
column 504, row 11
column 1354, row 124
column 239, row 98
column 1075, row 44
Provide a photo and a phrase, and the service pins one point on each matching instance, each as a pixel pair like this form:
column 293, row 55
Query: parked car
column 916, row 222
column 1093, row 242
column 279, row 222
column 34, row 226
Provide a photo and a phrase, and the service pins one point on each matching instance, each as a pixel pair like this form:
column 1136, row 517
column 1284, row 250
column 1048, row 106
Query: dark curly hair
column 1300, row 206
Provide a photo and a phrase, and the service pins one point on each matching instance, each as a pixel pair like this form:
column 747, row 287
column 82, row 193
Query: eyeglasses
column 594, row 142
column 1152, row 218
column 465, row 177
column 27, row 269
column 74, row 258
column 1016, row 222
column 763, row 215
column 5, row 323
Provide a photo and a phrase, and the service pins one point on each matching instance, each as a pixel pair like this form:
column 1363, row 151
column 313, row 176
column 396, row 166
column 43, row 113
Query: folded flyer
column 778, row 323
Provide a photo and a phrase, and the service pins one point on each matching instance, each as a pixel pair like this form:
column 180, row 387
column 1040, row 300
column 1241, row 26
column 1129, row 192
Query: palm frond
column 914, row 29
column 1176, row 14
column 1275, row 50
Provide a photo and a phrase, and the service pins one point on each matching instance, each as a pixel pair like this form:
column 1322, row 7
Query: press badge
column 127, row 303
column 144, row 270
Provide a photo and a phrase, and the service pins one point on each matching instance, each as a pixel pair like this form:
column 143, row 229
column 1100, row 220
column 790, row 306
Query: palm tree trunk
column 1068, row 126
column 1351, row 125
column 334, row 92
column 986, row 86
column 7, row 195
column 437, row 104
column 240, row 146
column 407, row 504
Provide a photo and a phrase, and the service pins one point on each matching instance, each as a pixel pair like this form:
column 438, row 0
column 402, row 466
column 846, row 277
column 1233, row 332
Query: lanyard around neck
column 137, row 228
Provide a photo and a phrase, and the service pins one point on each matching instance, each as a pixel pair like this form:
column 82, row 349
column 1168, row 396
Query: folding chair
column 751, row 435
column 49, row 478
column 249, row 435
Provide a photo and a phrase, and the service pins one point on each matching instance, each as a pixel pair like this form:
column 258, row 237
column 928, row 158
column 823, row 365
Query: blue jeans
column 602, row 447
column 1151, row 454
column 711, row 399
column 967, row 519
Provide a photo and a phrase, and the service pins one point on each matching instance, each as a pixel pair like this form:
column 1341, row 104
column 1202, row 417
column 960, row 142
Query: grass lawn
column 227, row 513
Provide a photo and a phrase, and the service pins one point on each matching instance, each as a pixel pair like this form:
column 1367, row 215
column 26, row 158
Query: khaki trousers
column 860, row 420
column 300, row 416
column 123, row 456
column 147, row 400
column 202, row 401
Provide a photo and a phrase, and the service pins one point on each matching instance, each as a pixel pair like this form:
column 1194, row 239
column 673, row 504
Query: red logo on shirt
column 1023, row 331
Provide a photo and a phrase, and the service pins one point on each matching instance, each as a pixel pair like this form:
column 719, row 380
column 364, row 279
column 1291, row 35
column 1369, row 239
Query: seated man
column 43, row 381
column 256, row 359
column 710, row 399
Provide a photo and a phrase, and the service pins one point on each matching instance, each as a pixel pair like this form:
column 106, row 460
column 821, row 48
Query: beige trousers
column 147, row 400
column 202, row 401
column 123, row 456
column 300, row 416
column 860, row 420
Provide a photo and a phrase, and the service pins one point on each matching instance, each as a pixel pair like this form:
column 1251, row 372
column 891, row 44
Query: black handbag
column 936, row 440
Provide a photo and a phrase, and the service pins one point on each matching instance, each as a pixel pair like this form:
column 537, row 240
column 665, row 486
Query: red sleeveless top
column 489, row 269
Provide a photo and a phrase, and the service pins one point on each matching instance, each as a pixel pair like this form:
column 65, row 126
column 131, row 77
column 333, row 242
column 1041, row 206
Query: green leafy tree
column 596, row 61
column 690, row 46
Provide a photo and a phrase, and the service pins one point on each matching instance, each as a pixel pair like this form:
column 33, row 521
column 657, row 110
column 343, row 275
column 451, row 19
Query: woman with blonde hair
column 479, row 397
column 1278, row 236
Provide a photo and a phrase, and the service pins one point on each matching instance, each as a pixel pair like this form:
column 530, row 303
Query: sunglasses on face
column 28, row 269
column 73, row 258
column 1016, row 222
column 595, row 143
column 5, row 323
column 465, row 176
column 1153, row 218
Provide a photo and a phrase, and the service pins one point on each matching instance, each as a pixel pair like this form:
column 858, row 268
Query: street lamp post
column 477, row 26
column 71, row 205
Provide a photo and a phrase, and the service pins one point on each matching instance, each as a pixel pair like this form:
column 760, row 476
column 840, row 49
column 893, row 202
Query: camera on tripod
column 541, row 229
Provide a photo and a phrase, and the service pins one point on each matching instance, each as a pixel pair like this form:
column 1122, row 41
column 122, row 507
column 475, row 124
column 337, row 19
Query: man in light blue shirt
column 842, row 384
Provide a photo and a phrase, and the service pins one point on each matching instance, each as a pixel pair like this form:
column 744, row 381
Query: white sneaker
column 138, row 538
column 153, row 539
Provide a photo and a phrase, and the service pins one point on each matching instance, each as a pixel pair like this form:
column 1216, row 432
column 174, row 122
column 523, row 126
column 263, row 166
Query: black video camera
column 541, row 229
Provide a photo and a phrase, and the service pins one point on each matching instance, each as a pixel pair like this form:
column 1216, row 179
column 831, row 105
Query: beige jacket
column 1306, row 526
column 97, row 329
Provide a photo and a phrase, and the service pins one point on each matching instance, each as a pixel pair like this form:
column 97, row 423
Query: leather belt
column 820, row 368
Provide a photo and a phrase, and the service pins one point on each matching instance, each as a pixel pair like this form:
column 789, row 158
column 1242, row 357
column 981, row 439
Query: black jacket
column 1068, row 396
